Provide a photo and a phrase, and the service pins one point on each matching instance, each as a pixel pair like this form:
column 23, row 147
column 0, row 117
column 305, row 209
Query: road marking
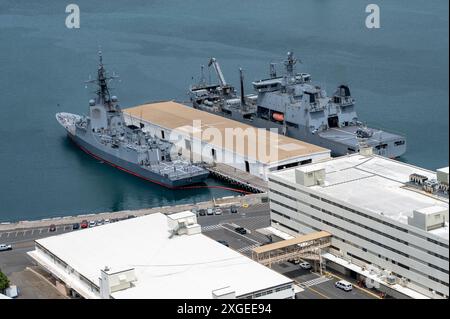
column 40, row 231
column 8, row 234
column 318, row 292
column 16, row 234
column 32, row 231
column 211, row 227
column 247, row 248
column 314, row 282
column 313, row 290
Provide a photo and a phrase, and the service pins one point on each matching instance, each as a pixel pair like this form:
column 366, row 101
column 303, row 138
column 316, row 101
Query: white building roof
column 185, row 267
column 374, row 183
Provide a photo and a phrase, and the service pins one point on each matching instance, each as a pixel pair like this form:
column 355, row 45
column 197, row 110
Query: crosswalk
column 314, row 282
column 247, row 248
column 211, row 227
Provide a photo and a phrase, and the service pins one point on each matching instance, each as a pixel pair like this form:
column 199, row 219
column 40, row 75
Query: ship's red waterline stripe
column 150, row 180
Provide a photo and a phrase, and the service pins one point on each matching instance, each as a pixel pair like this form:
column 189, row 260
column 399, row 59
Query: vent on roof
column 310, row 178
column 224, row 293
column 429, row 218
column 113, row 280
column 184, row 223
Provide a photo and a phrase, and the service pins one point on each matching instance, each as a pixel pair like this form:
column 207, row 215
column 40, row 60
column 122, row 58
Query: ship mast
column 103, row 94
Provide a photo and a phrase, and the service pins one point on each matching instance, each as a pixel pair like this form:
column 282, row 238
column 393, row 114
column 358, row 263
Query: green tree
column 4, row 281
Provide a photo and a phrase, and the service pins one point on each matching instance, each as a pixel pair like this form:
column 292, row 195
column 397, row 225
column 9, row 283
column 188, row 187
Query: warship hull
column 134, row 169
column 341, row 141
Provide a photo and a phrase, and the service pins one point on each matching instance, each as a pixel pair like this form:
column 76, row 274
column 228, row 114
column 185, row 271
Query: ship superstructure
column 105, row 135
column 298, row 108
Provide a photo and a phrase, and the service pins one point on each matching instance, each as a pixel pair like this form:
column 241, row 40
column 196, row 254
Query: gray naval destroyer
column 298, row 108
column 105, row 135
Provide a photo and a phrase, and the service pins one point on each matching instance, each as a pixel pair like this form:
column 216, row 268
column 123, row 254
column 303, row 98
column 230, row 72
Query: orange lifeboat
column 278, row 117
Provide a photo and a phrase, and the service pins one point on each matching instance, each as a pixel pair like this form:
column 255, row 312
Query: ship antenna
column 202, row 76
column 273, row 71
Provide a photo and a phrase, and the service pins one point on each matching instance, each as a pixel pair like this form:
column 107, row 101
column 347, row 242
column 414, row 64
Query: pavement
column 254, row 218
column 18, row 267
column 24, row 225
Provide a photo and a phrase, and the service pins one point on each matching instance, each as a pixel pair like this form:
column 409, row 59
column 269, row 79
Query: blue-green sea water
column 397, row 73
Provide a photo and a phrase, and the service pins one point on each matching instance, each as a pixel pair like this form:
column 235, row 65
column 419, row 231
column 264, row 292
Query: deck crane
column 226, row 91
column 219, row 73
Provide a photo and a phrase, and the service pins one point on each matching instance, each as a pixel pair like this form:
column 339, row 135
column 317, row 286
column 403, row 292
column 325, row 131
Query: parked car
column 131, row 216
column 218, row 211
column 107, row 221
column 223, row 242
column 100, row 222
column 344, row 285
column 52, row 228
column 4, row 247
column 210, row 211
column 92, row 223
column 84, row 224
column 202, row 212
column 240, row 230
column 305, row 265
column 194, row 211
column 233, row 209
column 294, row 261
column 114, row 220
column 75, row 226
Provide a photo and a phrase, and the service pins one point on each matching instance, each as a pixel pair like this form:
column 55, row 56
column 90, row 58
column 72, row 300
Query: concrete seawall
column 67, row 220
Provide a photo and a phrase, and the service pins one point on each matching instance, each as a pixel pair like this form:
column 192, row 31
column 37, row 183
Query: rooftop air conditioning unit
column 391, row 279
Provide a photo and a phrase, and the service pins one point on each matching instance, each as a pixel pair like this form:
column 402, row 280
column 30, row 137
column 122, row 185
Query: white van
column 344, row 285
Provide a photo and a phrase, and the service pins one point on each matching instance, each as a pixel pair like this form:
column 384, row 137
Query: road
column 255, row 217
column 218, row 227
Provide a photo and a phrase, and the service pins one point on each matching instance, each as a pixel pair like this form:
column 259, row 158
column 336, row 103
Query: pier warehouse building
column 205, row 137
column 156, row 256
column 388, row 220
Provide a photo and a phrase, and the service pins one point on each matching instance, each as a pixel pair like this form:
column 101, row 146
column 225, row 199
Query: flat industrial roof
column 174, row 116
column 184, row 267
column 375, row 183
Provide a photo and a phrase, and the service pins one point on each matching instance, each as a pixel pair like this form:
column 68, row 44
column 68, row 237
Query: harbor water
column 398, row 75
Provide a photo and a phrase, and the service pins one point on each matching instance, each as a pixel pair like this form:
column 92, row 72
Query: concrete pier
column 69, row 220
column 241, row 179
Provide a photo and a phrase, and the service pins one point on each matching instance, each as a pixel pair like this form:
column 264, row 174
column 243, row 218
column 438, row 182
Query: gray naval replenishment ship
column 105, row 135
column 298, row 108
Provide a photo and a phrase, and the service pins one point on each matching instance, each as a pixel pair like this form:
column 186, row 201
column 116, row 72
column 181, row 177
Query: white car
column 210, row 211
column 305, row 265
column 107, row 221
column 218, row 211
column 4, row 247
column 344, row 285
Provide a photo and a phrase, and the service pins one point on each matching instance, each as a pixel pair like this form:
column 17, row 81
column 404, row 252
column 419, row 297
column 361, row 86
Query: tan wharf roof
column 178, row 117
column 291, row 242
